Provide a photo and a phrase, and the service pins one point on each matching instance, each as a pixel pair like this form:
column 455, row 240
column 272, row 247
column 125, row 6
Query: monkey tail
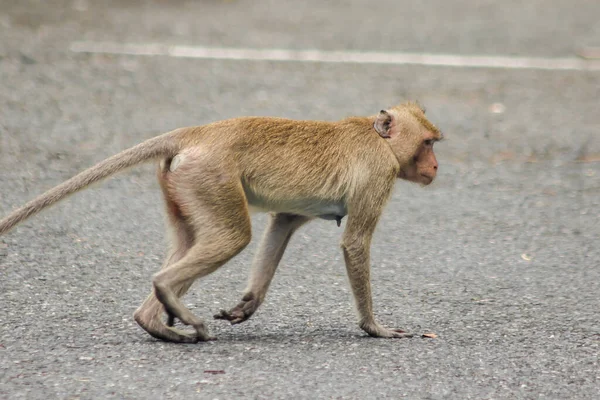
column 165, row 145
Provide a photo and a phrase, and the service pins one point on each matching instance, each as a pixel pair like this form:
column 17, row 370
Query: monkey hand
column 376, row 330
column 242, row 311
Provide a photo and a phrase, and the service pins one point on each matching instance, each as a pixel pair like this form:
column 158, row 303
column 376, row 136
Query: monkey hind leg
column 149, row 314
column 213, row 203
column 149, row 317
column 205, row 257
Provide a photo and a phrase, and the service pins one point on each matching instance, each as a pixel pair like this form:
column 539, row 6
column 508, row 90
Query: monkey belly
column 314, row 208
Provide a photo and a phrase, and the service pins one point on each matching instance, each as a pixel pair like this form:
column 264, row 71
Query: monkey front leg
column 274, row 242
column 356, row 248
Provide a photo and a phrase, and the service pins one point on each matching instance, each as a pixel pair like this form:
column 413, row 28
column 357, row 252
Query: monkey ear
column 383, row 124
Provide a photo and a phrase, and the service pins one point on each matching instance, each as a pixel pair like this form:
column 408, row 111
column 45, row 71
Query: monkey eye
column 428, row 142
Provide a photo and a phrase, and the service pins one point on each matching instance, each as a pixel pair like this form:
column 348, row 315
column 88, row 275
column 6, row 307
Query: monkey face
column 411, row 137
column 424, row 165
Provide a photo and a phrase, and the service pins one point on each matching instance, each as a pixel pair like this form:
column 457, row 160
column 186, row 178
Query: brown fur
column 212, row 176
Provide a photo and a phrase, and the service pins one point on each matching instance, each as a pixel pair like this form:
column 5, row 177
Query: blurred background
column 499, row 258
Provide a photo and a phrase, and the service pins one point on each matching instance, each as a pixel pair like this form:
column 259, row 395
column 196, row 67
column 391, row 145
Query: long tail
column 166, row 145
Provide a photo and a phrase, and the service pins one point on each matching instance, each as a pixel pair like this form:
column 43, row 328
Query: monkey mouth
column 426, row 179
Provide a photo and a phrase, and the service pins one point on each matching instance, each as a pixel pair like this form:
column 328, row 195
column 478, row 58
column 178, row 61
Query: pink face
column 424, row 167
column 411, row 137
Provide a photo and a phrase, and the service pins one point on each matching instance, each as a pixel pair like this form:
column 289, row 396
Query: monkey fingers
column 234, row 316
column 241, row 312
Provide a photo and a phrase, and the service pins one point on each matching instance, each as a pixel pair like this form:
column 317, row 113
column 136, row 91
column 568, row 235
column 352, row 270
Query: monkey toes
column 200, row 335
column 170, row 334
column 399, row 333
column 149, row 319
column 241, row 312
column 376, row 330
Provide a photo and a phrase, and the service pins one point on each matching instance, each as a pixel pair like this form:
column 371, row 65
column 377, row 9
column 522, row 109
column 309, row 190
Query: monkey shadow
column 288, row 337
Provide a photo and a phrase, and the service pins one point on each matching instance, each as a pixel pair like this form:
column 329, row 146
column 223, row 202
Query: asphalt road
column 500, row 257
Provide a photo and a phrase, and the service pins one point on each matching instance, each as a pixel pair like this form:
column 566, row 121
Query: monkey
column 214, row 176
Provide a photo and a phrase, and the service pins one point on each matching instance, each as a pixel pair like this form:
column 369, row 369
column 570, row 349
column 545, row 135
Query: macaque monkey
column 213, row 176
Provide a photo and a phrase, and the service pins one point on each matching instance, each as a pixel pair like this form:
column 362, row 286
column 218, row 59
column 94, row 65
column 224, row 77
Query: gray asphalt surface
column 500, row 257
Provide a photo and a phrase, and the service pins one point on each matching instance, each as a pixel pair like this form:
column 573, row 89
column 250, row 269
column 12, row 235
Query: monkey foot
column 376, row 330
column 242, row 311
column 179, row 335
column 399, row 333
column 157, row 329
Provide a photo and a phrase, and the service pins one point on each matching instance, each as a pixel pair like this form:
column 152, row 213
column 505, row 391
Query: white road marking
column 323, row 56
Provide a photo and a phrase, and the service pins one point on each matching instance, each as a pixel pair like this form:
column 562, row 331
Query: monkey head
column 411, row 137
